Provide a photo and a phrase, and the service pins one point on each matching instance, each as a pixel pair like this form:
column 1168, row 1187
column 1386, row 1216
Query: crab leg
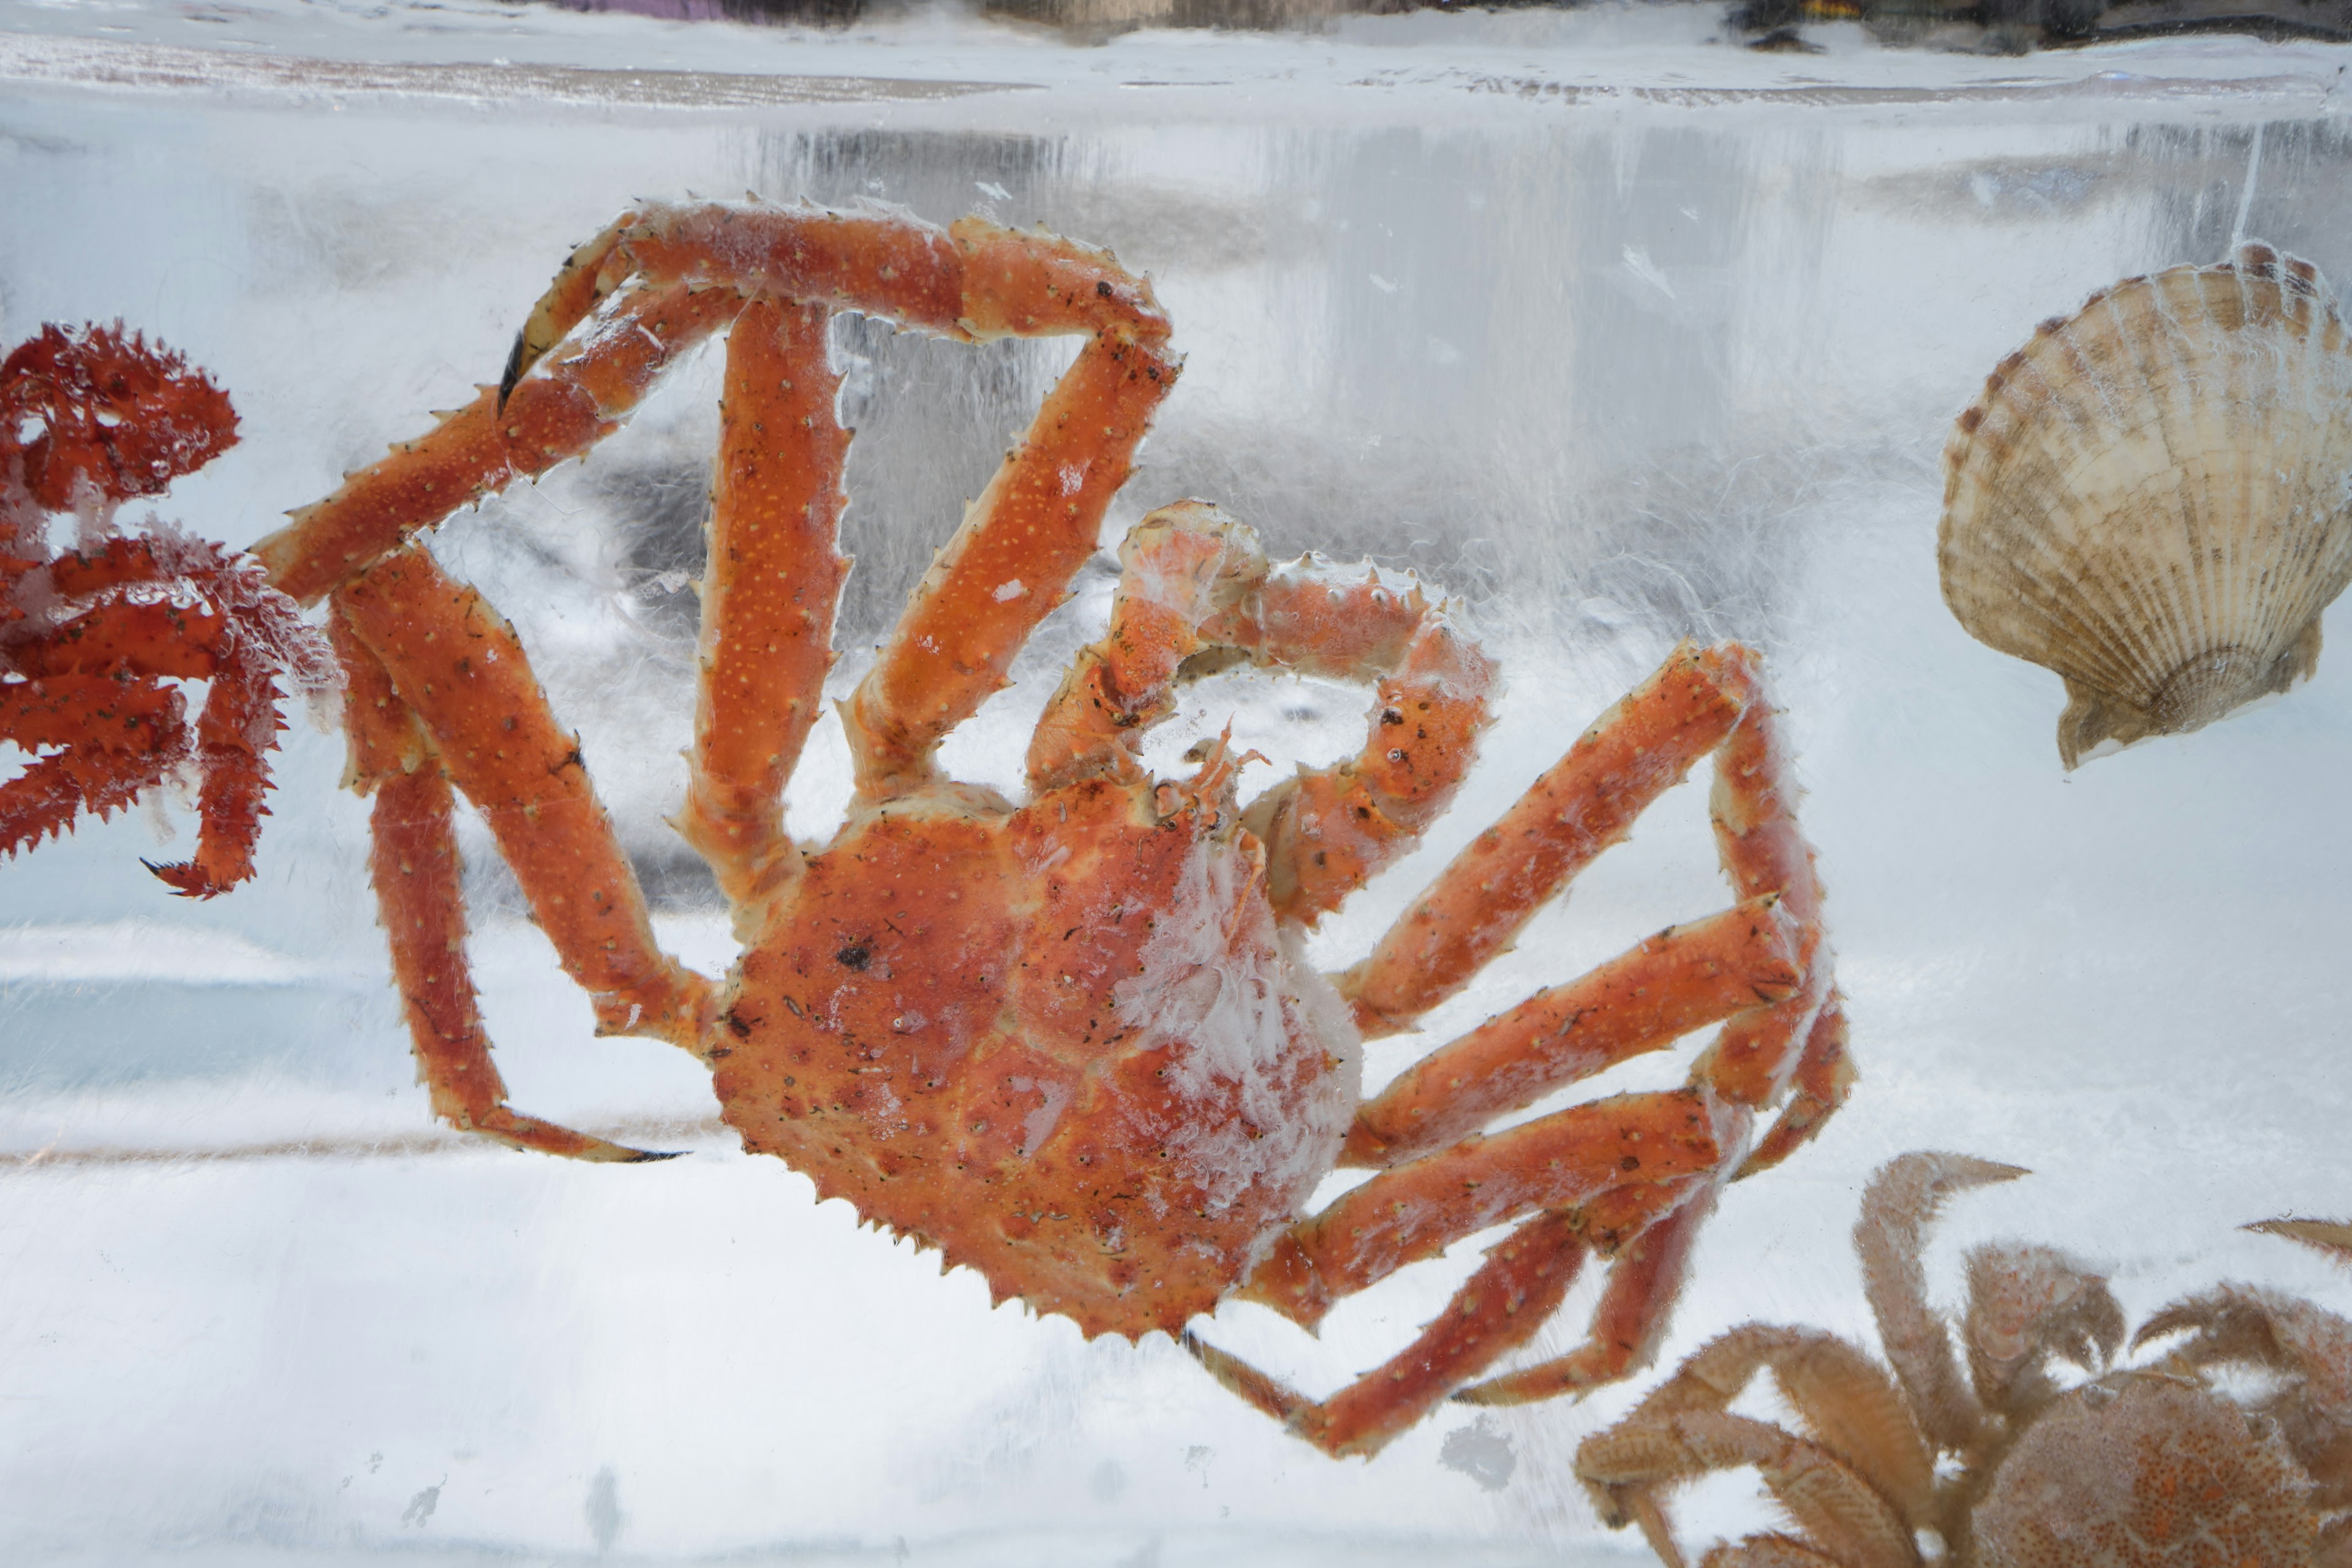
column 235, row 652
column 1631, row 1321
column 768, row 597
column 1753, row 804
column 1586, row 802
column 1193, row 581
column 492, row 442
column 1010, row 562
column 1498, row 1309
column 1683, row 978
column 118, row 738
column 415, row 867
column 456, row 663
column 972, row 281
column 1416, row 1210
column 1823, row 1078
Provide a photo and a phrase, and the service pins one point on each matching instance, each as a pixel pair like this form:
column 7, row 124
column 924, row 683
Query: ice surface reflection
column 1616, row 368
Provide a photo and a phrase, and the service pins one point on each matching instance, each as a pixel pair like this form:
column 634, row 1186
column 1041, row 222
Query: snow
column 1615, row 333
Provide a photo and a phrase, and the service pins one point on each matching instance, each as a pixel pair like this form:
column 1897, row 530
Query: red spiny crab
column 1071, row 1042
column 2149, row 1466
column 92, row 639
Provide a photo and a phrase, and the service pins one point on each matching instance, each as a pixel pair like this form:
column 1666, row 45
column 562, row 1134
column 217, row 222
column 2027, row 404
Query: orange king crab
column 1071, row 1043
column 2162, row 1466
column 94, row 639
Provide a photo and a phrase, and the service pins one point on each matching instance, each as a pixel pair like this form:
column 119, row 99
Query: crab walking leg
column 1415, row 1211
column 487, row 445
column 1831, row 1503
column 415, row 870
column 100, row 723
column 1193, row 580
column 1327, row 831
column 1823, row 1078
column 1585, row 803
column 1753, row 804
column 768, row 594
column 1009, row 563
column 970, row 281
column 1635, row 1308
column 1501, row 1307
column 1683, row 978
column 456, row 661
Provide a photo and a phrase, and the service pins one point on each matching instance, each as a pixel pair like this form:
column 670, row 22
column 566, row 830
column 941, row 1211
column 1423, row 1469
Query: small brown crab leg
column 768, row 597
column 455, row 662
column 415, row 871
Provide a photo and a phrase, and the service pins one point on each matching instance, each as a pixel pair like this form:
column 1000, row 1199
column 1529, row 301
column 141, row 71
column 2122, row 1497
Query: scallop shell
column 2154, row 497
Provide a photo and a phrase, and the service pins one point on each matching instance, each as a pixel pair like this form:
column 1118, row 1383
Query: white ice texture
column 1615, row 333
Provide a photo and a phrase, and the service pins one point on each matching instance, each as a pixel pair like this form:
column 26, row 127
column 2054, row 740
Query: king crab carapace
column 1071, row 1041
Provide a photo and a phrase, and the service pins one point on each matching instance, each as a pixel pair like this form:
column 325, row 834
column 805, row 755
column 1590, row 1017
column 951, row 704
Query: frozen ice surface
column 1620, row 334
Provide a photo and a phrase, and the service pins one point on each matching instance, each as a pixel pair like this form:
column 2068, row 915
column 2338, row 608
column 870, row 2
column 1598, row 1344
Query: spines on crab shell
column 114, row 412
column 91, row 416
column 115, row 740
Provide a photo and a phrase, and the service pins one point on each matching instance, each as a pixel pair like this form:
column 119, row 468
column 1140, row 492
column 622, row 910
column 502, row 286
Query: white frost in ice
column 1007, row 592
column 1231, row 1001
column 134, row 950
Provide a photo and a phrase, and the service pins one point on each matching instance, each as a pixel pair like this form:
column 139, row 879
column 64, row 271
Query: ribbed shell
column 2154, row 497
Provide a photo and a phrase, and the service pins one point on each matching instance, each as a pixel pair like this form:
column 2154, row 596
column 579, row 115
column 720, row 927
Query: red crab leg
column 239, row 723
column 1587, row 802
column 119, row 737
column 1193, row 580
column 1683, row 978
column 975, row 280
column 455, row 662
column 698, row 263
column 1035, row 525
column 485, row 446
column 768, row 597
column 1753, row 804
column 1632, row 1319
column 1823, row 1078
column 1502, row 1306
column 415, row 870
column 1499, row 1308
column 1415, row 1211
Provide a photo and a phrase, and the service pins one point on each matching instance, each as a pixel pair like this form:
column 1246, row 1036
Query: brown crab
column 2158, row 1466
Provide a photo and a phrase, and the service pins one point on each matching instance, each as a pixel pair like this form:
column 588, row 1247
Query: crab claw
column 2332, row 1236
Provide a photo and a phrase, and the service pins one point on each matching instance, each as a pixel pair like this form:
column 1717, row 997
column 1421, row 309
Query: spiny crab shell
column 1067, row 1045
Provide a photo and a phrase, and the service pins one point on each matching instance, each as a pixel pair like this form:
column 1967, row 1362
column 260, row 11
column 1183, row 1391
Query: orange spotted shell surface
column 1065, row 1045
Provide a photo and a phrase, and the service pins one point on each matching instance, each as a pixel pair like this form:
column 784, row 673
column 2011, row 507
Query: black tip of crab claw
column 186, row 879
column 515, row 367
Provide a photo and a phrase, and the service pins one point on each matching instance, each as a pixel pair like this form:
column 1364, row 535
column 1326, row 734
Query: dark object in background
column 2013, row 26
column 823, row 13
column 1992, row 26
